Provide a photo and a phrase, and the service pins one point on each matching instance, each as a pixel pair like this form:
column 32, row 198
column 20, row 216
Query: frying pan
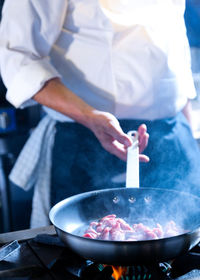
column 148, row 205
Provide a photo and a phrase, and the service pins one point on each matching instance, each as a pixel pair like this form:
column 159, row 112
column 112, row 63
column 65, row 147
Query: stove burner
column 138, row 272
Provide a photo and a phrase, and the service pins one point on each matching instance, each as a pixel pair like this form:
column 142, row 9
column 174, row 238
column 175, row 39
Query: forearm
column 56, row 96
column 103, row 124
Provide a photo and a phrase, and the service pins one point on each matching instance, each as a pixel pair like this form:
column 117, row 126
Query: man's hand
column 104, row 125
column 109, row 133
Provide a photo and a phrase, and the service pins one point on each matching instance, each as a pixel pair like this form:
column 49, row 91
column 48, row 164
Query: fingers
column 104, row 123
column 122, row 138
column 114, row 147
column 120, row 151
column 117, row 133
column 112, row 138
column 143, row 137
column 143, row 158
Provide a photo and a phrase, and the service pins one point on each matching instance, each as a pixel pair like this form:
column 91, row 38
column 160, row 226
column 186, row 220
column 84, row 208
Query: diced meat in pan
column 113, row 228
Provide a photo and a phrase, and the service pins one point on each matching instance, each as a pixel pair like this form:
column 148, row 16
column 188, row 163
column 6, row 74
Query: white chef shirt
column 127, row 57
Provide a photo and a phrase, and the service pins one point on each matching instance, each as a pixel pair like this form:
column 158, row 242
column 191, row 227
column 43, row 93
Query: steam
column 173, row 170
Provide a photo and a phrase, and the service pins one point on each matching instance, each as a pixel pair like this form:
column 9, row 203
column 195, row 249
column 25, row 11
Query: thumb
column 118, row 134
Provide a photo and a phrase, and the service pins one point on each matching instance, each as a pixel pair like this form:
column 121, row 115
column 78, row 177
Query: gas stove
column 39, row 254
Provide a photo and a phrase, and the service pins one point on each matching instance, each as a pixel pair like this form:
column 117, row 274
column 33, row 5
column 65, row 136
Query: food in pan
column 113, row 228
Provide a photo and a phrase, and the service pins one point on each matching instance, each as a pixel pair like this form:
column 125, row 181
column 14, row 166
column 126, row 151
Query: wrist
column 90, row 118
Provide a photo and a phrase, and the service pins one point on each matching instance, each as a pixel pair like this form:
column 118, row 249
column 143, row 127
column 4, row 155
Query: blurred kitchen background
column 16, row 125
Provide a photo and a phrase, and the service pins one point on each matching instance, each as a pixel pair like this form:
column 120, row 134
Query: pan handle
column 132, row 165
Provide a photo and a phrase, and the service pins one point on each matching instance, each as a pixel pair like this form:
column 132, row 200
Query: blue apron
column 80, row 164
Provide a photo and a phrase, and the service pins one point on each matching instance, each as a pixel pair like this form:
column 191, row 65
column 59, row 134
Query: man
column 110, row 66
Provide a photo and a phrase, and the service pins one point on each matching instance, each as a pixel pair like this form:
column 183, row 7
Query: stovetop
column 45, row 257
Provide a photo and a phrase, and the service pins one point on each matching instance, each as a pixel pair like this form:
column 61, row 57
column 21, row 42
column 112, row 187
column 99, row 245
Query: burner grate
column 139, row 272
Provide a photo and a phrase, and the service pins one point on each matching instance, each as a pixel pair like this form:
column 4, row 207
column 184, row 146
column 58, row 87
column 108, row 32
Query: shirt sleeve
column 28, row 30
